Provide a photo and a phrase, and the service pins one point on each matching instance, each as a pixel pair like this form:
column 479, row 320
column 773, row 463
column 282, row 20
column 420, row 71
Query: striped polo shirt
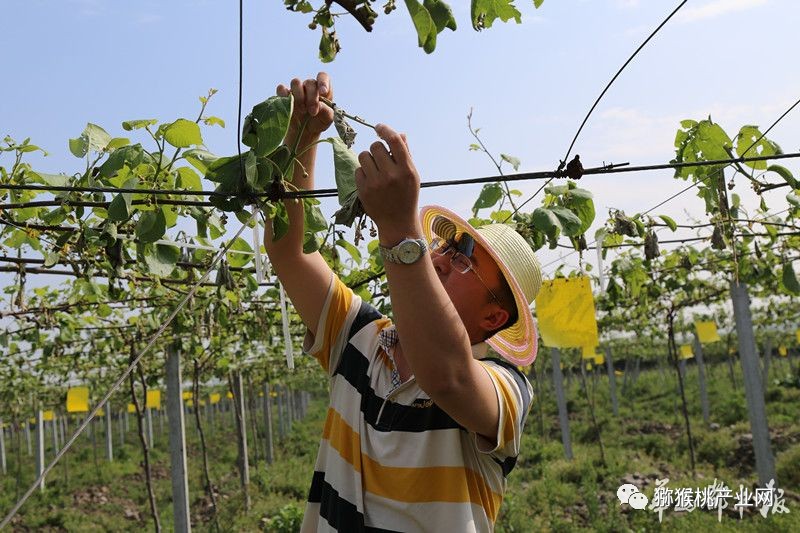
column 390, row 459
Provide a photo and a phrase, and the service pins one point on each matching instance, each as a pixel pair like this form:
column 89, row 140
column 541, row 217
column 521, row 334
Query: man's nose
column 442, row 264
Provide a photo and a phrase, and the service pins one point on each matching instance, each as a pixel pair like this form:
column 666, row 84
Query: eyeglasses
column 460, row 262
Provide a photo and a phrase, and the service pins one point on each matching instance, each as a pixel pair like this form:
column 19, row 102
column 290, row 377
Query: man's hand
column 388, row 186
column 307, row 106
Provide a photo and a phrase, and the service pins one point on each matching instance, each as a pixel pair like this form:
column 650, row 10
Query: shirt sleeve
column 514, row 395
column 338, row 314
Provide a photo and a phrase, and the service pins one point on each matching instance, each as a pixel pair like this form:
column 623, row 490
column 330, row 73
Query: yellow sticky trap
column 131, row 408
column 78, row 400
column 783, row 351
column 686, row 351
column 190, row 402
column 48, row 416
column 599, row 359
column 273, row 394
column 260, row 394
column 588, row 352
column 565, row 313
column 202, row 403
column 588, row 365
column 214, row 397
column 706, row 332
column 229, row 395
column 153, row 399
column 100, row 412
column 797, row 334
column 187, row 395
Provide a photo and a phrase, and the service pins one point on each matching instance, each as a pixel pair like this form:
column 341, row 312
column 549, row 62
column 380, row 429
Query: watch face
column 409, row 251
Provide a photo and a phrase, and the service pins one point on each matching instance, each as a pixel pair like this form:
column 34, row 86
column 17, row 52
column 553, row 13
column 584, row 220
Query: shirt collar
column 387, row 338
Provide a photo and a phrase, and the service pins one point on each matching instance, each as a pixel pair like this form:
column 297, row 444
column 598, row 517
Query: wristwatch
column 406, row 252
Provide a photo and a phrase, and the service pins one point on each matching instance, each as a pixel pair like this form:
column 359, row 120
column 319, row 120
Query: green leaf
column 79, row 147
column 351, row 249
column 314, row 220
column 490, row 195
column 199, row 159
column 214, row 121
column 267, row 124
column 441, row 14
column 151, row 226
column 117, row 142
column 345, row 164
column 97, row 137
column 570, row 222
column 790, row 281
column 130, row 156
column 183, row 133
column 547, row 222
column 785, row 174
column 746, row 146
column 188, row 179
column 328, row 45
column 104, row 310
column 51, row 259
column 55, row 180
column 485, row 12
column 239, row 260
column 118, row 209
column 794, row 198
column 280, row 222
column 170, row 215
column 161, row 258
column 511, row 160
column 669, row 222
column 129, row 125
column 424, row 24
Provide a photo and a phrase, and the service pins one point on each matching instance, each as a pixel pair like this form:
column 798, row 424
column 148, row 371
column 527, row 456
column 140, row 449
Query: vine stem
column 354, row 118
column 496, row 164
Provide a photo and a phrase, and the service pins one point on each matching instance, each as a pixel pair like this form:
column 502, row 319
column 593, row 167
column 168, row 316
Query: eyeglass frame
column 450, row 246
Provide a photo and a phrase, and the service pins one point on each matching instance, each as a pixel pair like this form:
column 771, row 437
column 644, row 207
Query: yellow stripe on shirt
column 340, row 300
column 508, row 400
column 453, row 484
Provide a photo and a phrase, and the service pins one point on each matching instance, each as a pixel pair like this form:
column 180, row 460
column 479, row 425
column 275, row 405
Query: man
column 422, row 428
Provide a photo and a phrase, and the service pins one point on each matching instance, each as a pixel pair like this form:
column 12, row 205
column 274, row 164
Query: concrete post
column 177, row 443
column 270, row 451
column 612, row 381
column 563, row 417
column 40, row 446
column 765, row 460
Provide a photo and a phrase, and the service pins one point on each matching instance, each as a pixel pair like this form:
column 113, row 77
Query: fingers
column 381, row 156
column 397, row 143
column 368, row 166
column 299, row 95
column 324, row 85
column 282, row 90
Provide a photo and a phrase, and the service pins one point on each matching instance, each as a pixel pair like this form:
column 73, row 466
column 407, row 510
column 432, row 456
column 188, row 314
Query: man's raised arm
column 305, row 277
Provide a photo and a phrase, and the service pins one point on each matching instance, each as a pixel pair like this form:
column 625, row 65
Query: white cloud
column 717, row 8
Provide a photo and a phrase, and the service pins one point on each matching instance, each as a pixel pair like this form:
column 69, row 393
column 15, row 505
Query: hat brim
column 519, row 342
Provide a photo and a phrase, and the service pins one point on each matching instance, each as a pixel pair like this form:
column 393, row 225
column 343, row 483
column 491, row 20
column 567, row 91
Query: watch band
column 406, row 252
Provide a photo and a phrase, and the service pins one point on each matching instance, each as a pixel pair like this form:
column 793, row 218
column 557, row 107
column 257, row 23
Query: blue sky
column 76, row 61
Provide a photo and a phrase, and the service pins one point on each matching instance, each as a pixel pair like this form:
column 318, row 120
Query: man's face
column 470, row 297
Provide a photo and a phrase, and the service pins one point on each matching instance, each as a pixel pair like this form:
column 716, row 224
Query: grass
column 546, row 492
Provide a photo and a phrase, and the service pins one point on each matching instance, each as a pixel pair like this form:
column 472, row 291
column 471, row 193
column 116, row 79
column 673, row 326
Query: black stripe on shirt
column 338, row 512
column 507, row 465
column 396, row 416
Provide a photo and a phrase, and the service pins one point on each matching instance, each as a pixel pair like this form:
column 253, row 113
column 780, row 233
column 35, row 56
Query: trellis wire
column 322, row 193
column 586, row 118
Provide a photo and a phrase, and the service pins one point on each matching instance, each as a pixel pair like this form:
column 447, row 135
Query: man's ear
column 494, row 318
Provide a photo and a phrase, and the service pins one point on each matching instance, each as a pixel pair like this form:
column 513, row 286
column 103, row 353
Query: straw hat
column 519, row 342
